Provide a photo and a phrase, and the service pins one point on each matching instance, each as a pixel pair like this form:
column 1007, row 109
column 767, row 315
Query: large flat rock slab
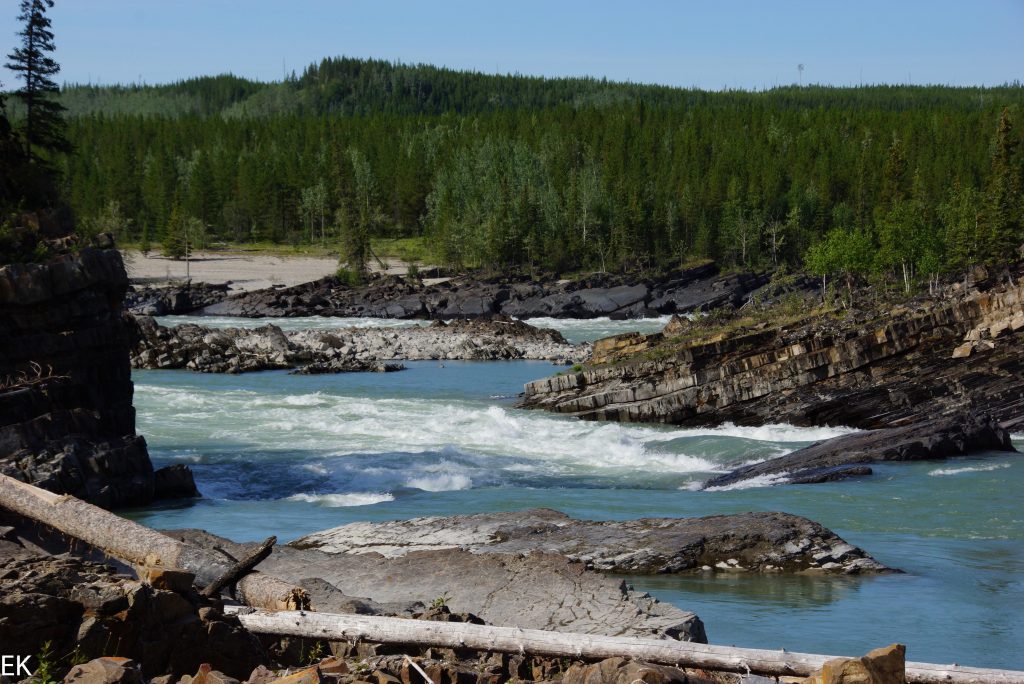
column 754, row 542
column 534, row 591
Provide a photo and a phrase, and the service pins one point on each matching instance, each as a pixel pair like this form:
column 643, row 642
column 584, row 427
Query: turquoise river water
column 280, row 454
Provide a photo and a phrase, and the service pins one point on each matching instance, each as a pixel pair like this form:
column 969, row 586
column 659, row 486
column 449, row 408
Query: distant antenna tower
column 800, row 73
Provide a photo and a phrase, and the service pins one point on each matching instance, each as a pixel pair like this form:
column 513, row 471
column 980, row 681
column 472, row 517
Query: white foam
column 343, row 500
column 443, row 482
column 969, row 469
column 335, row 426
column 752, row 483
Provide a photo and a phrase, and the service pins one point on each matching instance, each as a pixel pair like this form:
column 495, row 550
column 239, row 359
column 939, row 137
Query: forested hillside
column 561, row 174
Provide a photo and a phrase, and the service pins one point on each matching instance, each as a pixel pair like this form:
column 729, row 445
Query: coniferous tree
column 1003, row 209
column 43, row 127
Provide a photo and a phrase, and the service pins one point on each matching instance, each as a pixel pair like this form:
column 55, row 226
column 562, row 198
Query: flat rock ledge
column 533, row 591
column 238, row 350
column 745, row 542
column 848, row 455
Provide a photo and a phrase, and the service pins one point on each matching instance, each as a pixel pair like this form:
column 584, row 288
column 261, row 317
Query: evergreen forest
column 513, row 172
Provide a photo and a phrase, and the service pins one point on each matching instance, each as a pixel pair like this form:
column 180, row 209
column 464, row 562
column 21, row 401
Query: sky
column 710, row 45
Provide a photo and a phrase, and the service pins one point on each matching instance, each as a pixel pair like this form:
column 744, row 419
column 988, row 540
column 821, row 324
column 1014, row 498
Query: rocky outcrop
column 845, row 456
column 537, row 590
column 237, row 350
column 746, row 542
column 618, row 296
column 85, row 610
column 66, row 418
column 174, row 299
column 880, row 666
column 868, row 370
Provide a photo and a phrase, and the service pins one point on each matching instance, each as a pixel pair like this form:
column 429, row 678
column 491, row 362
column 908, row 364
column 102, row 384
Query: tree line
column 507, row 172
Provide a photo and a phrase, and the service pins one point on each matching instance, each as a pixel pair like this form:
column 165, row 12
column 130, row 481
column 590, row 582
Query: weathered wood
column 335, row 627
column 240, row 569
column 138, row 545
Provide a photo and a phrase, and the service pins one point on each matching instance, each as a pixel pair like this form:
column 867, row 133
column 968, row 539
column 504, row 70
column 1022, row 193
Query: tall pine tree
column 43, row 127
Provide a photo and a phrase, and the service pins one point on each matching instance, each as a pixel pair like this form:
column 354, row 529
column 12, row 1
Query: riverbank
column 353, row 349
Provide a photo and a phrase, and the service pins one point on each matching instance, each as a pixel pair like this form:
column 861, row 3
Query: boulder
column 623, row 671
column 106, row 670
column 881, row 666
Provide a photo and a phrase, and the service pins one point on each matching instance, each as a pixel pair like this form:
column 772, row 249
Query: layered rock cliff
column 909, row 364
column 66, row 418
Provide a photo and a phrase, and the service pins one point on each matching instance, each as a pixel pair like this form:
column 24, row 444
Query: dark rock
column 471, row 296
column 174, row 299
column 956, row 435
column 174, row 482
column 89, row 609
column 66, row 417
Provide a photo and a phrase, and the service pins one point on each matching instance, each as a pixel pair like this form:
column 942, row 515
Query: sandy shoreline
column 243, row 271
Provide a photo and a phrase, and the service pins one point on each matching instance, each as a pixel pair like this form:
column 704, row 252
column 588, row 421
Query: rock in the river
column 66, row 417
column 237, row 350
column 862, row 370
column 535, row 591
column 745, row 542
column 844, row 456
column 470, row 296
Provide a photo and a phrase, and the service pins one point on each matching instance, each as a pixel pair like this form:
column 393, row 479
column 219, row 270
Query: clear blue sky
column 711, row 45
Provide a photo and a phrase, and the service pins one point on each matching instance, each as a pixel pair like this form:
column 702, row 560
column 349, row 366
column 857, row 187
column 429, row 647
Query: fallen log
column 336, row 627
column 140, row 546
column 240, row 569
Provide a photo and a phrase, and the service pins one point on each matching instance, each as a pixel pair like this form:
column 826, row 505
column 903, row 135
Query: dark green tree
column 43, row 127
column 1003, row 205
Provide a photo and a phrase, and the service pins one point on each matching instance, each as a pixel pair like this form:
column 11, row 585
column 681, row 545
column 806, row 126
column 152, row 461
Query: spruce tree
column 1003, row 206
column 43, row 127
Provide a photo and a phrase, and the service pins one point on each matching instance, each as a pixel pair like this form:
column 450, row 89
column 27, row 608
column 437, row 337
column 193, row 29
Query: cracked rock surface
column 754, row 542
column 533, row 591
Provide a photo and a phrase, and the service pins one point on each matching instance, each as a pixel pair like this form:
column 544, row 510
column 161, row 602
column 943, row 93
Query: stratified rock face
column 66, row 417
column 745, row 542
column 862, row 374
column 237, row 350
column 839, row 457
column 534, row 591
column 694, row 289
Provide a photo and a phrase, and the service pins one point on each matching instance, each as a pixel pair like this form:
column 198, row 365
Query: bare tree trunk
column 334, row 627
column 140, row 546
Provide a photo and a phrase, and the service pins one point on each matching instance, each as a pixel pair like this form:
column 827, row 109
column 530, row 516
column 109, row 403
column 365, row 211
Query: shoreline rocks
column 66, row 418
column 867, row 370
column 472, row 295
column 847, row 455
column 744, row 542
column 239, row 350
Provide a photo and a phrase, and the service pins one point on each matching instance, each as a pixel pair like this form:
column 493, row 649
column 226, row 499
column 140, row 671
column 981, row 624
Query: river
column 283, row 454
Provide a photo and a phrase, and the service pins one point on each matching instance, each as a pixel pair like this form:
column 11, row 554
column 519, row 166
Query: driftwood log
column 335, row 627
column 140, row 546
